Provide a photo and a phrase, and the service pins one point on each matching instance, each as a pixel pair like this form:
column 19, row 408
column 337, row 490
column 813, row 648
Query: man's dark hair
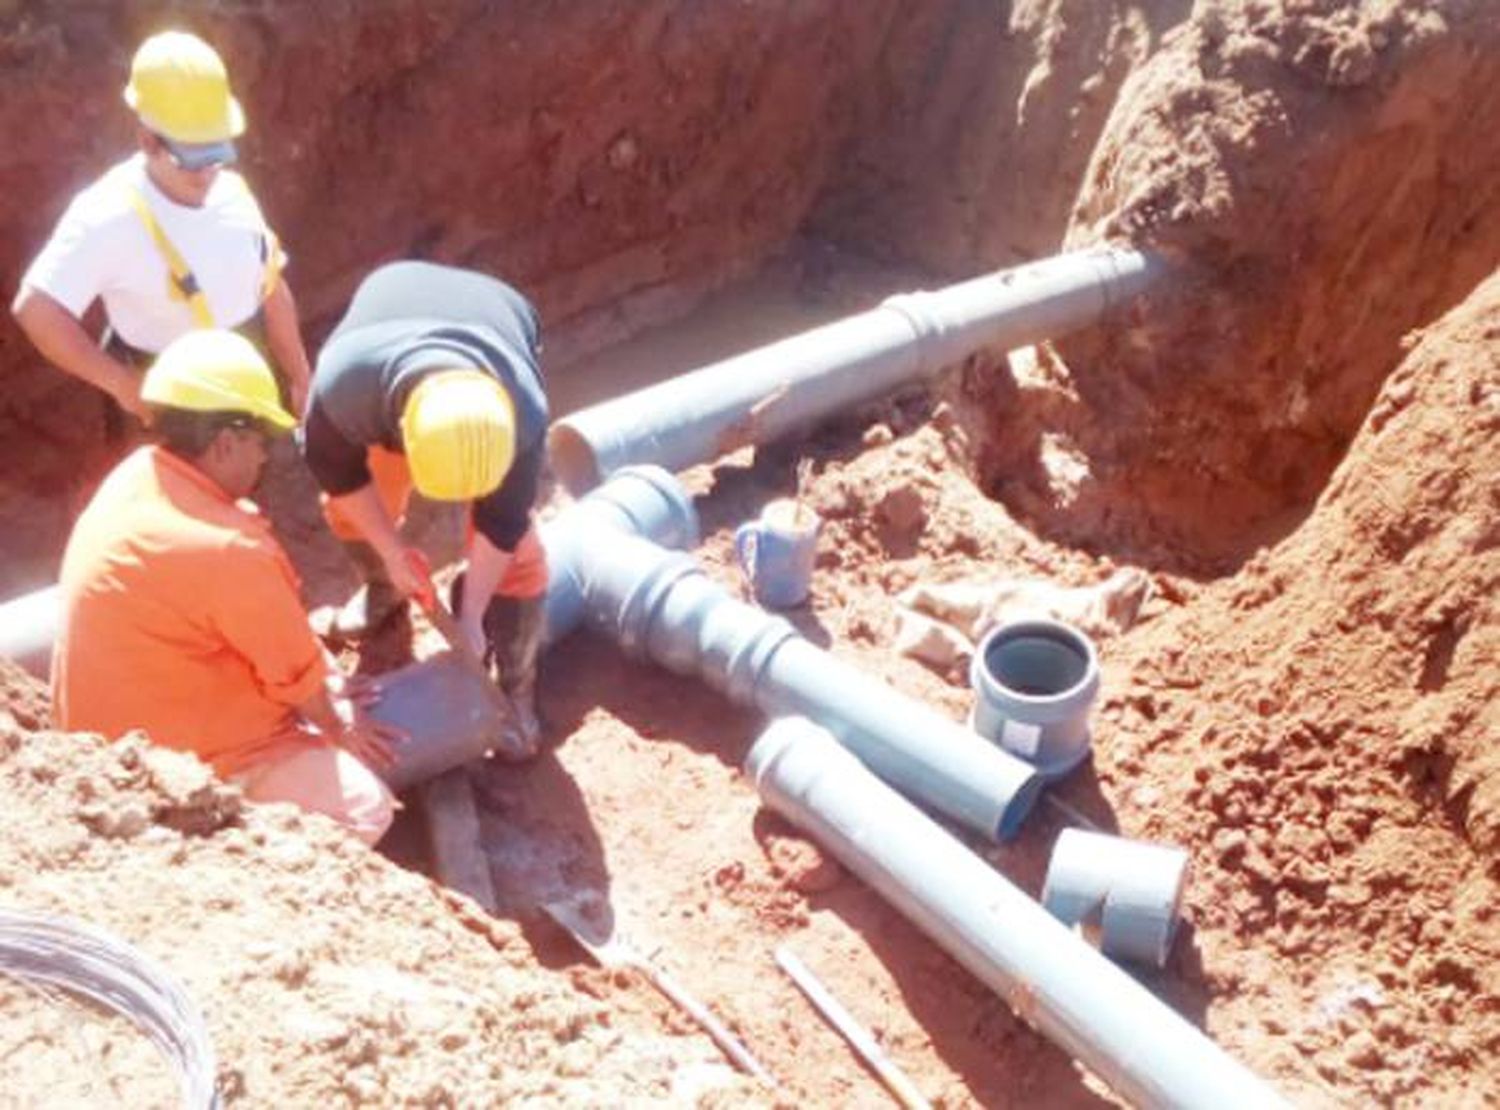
column 188, row 434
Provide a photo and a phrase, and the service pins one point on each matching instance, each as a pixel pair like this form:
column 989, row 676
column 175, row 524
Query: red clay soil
column 1293, row 439
column 1324, row 176
column 1294, row 726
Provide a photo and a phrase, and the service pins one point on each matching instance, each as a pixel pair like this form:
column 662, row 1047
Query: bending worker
column 180, row 610
column 169, row 240
column 431, row 380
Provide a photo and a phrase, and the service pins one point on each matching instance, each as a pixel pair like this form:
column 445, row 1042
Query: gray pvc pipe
column 28, row 629
column 638, row 500
column 1128, row 891
column 446, row 713
column 1051, row 979
column 1034, row 684
column 661, row 606
column 787, row 386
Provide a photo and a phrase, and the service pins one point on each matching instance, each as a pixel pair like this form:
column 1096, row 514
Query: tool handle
column 418, row 564
column 716, row 1029
column 859, row 1038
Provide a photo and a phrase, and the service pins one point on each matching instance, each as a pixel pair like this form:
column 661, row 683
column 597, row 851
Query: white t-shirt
column 101, row 248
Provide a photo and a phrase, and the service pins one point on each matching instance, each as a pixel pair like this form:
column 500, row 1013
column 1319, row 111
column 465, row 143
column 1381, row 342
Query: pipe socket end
column 572, row 459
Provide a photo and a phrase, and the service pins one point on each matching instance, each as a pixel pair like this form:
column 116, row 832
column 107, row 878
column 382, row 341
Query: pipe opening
column 1035, row 660
column 572, row 459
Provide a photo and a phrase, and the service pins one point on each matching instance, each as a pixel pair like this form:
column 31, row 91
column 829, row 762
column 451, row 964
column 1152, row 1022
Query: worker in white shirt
column 169, row 240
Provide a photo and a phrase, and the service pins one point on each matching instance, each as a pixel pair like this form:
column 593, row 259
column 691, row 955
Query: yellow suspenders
column 184, row 285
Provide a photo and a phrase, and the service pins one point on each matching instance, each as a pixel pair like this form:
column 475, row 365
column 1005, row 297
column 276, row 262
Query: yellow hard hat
column 179, row 89
column 459, row 431
column 215, row 371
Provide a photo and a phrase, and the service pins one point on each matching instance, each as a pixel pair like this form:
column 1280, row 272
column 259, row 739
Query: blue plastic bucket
column 776, row 553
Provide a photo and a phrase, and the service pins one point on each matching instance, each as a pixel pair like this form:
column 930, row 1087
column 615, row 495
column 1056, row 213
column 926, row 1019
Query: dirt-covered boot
column 374, row 603
column 513, row 628
column 512, row 639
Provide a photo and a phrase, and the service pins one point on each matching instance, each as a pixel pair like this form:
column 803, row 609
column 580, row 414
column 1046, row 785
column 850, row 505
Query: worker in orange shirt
column 181, row 614
column 432, row 381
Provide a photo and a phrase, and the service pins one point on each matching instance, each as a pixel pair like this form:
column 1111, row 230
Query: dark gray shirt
column 407, row 320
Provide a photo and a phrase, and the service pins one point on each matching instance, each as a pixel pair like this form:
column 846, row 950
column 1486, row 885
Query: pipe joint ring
column 641, row 605
column 743, row 673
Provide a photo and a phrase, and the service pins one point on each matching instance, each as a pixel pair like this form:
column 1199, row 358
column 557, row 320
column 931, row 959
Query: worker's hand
column 372, row 742
column 411, row 576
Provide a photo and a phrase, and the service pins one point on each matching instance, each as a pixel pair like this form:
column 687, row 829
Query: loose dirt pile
column 327, row 975
column 1324, row 176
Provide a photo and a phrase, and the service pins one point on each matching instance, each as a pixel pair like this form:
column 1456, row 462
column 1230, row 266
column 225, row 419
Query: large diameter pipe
column 28, row 629
column 661, row 606
column 1048, row 975
column 790, row 385
column 638, row 500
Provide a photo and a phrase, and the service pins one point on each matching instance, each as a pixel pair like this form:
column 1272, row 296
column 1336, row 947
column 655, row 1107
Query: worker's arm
column 63, row 342
column 284, row 338
column 341, row 468
column 368, row 740
column 487, row 566
column 500, row 520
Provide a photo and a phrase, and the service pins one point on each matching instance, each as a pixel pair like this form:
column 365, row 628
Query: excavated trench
column 674, row 183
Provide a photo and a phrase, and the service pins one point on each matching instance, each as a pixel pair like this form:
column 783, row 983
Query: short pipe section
column 1052, row 980
column 448, row 717
column 1126, row 893
column 1035, row 682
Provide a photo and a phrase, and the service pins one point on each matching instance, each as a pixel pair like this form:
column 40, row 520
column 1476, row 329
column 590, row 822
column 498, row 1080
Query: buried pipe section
column 1051, row 979
column 661, row 606
column 790, row 385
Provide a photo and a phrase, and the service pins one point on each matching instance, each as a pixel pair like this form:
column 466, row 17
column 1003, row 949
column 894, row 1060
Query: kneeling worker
column 432, row 380
column 181, row 615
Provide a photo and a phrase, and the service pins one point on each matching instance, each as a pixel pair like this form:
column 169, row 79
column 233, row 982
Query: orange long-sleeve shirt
column 181, row 617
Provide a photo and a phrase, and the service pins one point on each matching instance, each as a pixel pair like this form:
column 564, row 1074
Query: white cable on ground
column 87, row 961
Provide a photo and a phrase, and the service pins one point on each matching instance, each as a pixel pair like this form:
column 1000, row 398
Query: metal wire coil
column 89, row 962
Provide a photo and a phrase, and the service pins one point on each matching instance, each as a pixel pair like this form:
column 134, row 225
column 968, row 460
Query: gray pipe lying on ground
column 790, row 385
column 660, row 605
column 28, row 628
column 1048, row 975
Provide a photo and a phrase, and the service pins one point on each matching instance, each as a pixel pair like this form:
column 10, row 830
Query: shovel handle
column 859, row 1038
column 716, row 1029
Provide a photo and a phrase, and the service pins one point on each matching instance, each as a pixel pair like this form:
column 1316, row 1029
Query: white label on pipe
column 1020, row 737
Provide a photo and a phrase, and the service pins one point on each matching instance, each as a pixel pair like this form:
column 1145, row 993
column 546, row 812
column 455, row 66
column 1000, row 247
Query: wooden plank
column 452, row 819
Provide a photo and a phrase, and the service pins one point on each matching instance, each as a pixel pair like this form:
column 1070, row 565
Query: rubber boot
column 513, row 628
column 374, row 603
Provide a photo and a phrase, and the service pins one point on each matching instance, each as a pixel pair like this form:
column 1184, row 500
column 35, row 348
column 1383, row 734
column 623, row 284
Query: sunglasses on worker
column 194, row 157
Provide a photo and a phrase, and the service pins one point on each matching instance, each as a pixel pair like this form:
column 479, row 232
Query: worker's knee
column 329, row 781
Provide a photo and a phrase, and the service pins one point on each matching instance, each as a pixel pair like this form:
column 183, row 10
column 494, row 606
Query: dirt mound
column 1322, row 730
column 327, row 975
column 1323, row 175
